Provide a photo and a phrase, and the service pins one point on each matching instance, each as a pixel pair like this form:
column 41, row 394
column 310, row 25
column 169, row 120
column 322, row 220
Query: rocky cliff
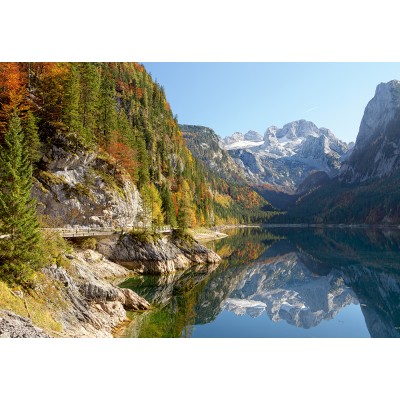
column 206, row 146
column 85, row 187
column 376, row 153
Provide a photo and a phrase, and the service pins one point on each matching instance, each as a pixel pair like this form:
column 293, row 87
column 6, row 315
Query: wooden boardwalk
column 106, row 231
column 88, row 232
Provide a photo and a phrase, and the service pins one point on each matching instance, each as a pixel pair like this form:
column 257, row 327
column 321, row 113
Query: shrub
column 88, row 244
column 183, row 235
column 144, row 236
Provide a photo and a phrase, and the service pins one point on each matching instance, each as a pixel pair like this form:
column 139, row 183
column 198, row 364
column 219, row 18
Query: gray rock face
column 376, row 153
column 253, row 136
column 163, row 256
column 207, row 146
column 15, row 326
column 380, row 111
column 77, row 189
column 298, row 129
column 235, row 137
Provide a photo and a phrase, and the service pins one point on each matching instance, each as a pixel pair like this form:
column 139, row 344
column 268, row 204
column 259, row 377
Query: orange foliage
column 138, row 67
column 124, row 155
column 13, row 91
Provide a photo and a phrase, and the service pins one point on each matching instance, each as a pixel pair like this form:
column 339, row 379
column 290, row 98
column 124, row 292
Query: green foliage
column 168, row 206
column 88, row 244
column 182, row 235
column 49, row 178
column 32, row 141
column 152, row 205
column 144, row 236
column 19, row 252
column 54, row 249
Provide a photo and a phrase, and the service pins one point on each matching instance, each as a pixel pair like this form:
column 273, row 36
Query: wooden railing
column 103, row 231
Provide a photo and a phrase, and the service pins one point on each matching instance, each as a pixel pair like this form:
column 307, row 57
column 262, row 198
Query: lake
column 280, row 282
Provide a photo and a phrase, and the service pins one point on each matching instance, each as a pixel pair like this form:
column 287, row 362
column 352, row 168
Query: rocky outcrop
column 376, row 153
column 92, row 306
column 207, row 146
column 163, row 255
column 15, row 326
column 85, row 188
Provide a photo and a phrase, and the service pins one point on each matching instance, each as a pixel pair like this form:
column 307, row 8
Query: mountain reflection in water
column 280, row 282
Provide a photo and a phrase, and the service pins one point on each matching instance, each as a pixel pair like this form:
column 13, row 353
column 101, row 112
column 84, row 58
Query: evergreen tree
column 89, row 99
column 108, row 117
column 72, row 101
column 31, row 135
column 19, row 251
column 168, row 206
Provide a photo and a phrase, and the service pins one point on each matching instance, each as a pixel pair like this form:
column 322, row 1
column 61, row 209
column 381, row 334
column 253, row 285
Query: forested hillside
column 118, row 111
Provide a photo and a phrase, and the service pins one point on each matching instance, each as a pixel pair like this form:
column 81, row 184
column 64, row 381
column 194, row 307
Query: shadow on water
column 299, row 280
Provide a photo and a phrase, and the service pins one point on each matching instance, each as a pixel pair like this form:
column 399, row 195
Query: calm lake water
column 280, row 282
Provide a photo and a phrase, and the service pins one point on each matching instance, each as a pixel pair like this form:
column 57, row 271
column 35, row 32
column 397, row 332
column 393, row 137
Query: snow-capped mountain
column 287, row 290
column 286, row 156
column 376, row 153
column 240, row 141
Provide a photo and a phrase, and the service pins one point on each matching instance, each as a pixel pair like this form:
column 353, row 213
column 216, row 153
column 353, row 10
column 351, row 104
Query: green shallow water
column 280, row 282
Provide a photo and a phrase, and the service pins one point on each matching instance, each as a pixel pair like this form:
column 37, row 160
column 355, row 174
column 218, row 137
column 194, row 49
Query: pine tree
column 31, row 135
column 19, row 251
column 168, row 206
column 71, row 110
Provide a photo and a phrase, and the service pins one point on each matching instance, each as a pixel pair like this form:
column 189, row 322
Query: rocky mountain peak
column 253, row 136
column 381, row 109
column 376, row 152
column 298, row 129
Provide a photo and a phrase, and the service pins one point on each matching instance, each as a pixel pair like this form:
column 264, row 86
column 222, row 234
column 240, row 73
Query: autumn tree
column 125, row 156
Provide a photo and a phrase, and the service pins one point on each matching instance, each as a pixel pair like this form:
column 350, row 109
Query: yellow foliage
column 223, row 199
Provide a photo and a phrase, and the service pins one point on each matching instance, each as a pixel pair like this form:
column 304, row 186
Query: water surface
column 280, row 282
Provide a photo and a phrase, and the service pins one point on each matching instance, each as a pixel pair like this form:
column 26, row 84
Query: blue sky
column 229, row 97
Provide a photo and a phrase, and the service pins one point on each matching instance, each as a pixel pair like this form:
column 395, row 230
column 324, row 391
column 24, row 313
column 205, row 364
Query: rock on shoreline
column 87, row 303
column 166, row 254
column 94, row 305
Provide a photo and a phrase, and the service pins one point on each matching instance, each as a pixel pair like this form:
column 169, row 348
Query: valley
column 105, row 199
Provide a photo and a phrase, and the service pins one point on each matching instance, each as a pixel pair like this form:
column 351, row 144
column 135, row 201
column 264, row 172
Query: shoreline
column 342, row 226
column 215, row 232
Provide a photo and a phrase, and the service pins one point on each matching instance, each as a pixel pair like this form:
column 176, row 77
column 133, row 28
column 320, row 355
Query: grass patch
column 31, row 307
column 49, row 178
column 80, row 189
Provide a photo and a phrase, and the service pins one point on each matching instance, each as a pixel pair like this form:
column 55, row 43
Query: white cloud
column 309, row 110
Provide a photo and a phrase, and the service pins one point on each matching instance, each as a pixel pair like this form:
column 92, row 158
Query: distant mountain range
column 314, row 174
column 282, row 157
